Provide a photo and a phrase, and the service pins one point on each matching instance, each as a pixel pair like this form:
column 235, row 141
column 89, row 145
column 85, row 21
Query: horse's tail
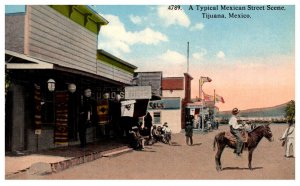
column 215, row 141
column 218, row 138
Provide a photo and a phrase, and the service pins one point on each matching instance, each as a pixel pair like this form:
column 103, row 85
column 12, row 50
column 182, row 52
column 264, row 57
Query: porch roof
column 14, row 60
column 19, row 61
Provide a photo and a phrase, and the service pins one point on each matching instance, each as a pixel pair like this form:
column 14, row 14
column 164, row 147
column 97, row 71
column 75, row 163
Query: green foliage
column 290, row 111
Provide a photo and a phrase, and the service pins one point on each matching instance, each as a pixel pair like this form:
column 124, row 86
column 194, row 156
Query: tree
column 290, row 111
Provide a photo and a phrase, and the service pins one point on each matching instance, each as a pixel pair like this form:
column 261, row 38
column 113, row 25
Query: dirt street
column 180, row 161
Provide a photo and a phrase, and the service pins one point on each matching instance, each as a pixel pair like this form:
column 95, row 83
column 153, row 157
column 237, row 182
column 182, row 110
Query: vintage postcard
column 135, row 91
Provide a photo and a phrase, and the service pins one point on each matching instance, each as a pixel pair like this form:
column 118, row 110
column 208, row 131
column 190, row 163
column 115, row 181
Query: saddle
column 230, row 136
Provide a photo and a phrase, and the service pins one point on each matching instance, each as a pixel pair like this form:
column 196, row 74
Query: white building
column 166, row 110
column 169, row 108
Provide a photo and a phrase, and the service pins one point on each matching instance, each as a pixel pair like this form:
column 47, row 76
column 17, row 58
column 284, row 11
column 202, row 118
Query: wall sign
column 164, row 104
column 138, row 92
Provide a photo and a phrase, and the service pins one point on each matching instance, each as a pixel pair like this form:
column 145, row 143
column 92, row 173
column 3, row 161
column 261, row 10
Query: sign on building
column 138, row 92
column 127, row 108
column 164, row 104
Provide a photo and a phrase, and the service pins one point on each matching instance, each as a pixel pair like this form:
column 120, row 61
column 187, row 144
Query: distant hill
column 275, row 111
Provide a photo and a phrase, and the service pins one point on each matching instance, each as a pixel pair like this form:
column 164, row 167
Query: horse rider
column 234, row 129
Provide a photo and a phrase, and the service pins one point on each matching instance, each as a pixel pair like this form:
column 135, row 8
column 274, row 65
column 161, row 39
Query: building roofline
column 173, row 77
column 85, row 15
column 103, row 52
column 187, row 74
column 94, row 15
column 31, row 63
column 150, row 72
column 97, row 14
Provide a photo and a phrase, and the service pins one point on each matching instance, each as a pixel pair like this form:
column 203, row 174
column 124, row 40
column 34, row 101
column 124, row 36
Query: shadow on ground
column 197, row 144
column 240, row 168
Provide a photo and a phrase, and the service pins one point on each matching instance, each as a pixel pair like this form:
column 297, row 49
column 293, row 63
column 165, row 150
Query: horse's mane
column 256, row 128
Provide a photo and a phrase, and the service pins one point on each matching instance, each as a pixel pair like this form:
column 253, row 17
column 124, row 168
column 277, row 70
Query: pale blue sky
column 248, row 59
column 266, row 33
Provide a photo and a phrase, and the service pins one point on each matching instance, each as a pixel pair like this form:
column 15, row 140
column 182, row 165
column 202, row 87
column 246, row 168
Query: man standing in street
column 288, row 139
column 189, row 130
column 148, row 123
column 234, row 129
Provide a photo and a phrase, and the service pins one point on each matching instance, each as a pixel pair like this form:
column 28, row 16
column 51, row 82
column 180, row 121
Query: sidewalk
column 58, row 159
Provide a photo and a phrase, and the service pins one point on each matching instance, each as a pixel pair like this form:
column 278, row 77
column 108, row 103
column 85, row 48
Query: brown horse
column 254, row 138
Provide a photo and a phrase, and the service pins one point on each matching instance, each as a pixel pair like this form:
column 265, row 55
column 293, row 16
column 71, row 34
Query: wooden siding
column 55, row 38
column 14, row 33
column 154, row 79
column 113, row 72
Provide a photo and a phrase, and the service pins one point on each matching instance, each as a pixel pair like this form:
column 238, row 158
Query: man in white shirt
column 167, row 133
column 234, row 129
column 289, row 138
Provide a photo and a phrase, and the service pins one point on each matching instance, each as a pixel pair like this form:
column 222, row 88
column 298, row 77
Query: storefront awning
column 14, row 60
column 19, row 61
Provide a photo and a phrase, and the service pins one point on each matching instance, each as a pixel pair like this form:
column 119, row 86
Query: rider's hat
column 165, row 124
column 235, row 111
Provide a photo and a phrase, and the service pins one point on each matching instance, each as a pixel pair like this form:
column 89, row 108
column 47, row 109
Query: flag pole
column 200, row 89
column 188, row 48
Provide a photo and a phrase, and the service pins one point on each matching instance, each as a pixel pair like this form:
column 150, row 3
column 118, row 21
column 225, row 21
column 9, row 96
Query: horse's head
column 267, row 132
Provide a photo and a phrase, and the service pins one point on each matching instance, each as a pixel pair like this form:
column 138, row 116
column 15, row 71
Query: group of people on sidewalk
column 149, row 134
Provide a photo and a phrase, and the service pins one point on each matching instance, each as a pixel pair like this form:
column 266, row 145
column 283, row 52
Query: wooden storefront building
column 46, row 43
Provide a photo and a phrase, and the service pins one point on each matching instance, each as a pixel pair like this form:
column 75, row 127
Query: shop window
column 157, row 117
column 47, row 107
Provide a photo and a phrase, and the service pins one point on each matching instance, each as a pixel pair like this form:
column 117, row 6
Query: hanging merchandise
column 61, row 118
column 102, row 112
column 127, row 108
column 37, row 109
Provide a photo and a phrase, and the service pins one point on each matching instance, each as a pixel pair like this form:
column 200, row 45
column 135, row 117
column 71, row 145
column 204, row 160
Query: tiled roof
column 172, row 83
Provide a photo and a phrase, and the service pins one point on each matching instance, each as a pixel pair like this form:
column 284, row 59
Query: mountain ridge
column 273, row 111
